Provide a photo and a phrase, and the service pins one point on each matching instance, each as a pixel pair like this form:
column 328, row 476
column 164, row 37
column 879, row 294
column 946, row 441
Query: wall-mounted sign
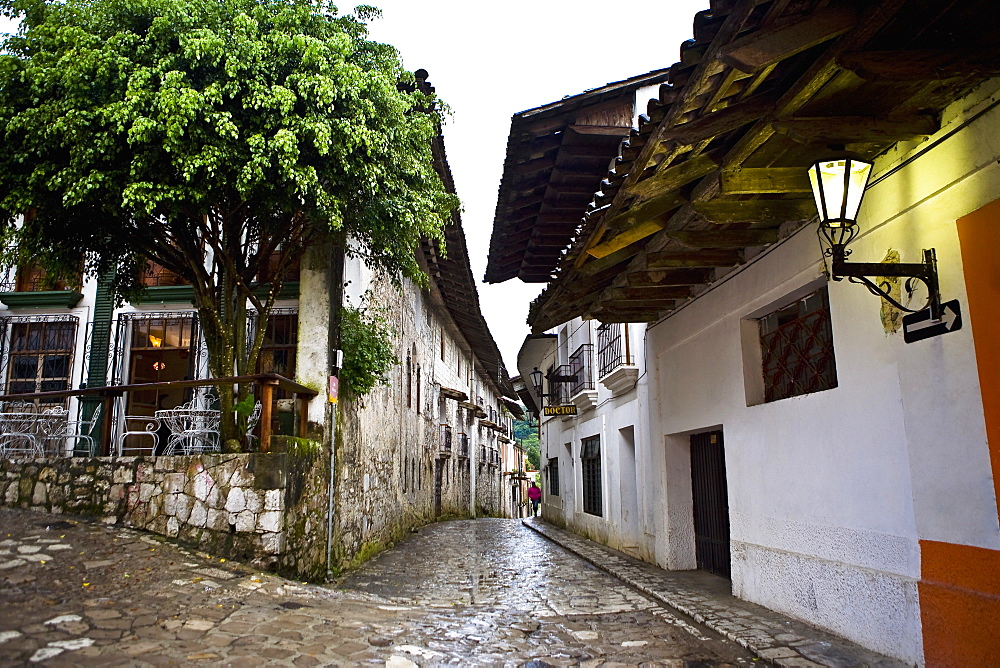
column 559, row 410
column 921, row 325
column 333, row 391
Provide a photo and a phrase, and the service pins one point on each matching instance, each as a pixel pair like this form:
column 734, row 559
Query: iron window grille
column 612, row 348
column 581, row 369
column 553, row 476
column 33, row 278
column 797, row 348
column 281, row 340
column 38, row 354
column 463, row 444
column 157, row 276
column 590, row 460
column 560, row 379
column 445, row 438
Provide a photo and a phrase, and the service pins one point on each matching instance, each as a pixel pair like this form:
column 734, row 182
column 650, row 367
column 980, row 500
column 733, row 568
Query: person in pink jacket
column 535, row 495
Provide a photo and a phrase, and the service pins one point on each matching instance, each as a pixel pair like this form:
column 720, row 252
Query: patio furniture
column 28, row 432
column 83, row 431
column 252, row 423
column 142, row 427
column 192, row 429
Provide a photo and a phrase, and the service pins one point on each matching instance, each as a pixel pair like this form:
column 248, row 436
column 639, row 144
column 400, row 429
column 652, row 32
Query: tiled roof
column 452, row 276
column 715, row 171
column 557, row 155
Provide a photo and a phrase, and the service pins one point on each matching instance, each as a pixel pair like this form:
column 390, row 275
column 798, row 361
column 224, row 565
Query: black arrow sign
column 920, row 325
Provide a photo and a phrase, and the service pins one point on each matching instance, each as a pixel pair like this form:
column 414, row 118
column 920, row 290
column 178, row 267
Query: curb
column 813, row 647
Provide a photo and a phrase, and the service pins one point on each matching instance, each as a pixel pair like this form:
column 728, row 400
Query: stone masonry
column 244, row 506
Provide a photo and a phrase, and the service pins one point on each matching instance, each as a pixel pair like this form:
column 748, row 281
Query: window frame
column 591, row 476
column 781, row 332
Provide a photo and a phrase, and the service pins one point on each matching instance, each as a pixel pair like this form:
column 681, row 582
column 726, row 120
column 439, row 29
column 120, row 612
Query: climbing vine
column 368, row 355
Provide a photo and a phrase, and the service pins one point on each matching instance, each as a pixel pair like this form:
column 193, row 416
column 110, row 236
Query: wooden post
column 108, row 403
column 303, row 406
column 266, row 393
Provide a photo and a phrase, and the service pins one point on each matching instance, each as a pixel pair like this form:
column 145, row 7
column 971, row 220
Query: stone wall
column 260, row 508
column 388, row 444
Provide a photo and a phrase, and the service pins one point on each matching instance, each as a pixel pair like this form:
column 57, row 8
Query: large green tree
column 211, row 137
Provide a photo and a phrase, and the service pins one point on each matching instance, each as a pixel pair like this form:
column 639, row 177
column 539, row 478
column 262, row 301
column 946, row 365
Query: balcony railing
column 446, row 438
column 110, row 434
column 32, row 278
column 560, row 382
column 158, row 276
column 581, row 364
column 612, row 348
column 463, row 445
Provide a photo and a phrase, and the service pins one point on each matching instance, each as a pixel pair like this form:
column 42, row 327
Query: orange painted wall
column 959, row 604
column 979, row 236
column 960, row 584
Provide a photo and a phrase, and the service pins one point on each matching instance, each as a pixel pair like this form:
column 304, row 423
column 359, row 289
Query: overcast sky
column 489, row 60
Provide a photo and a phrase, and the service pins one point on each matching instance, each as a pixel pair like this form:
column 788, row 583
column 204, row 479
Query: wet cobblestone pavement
column 485, row 592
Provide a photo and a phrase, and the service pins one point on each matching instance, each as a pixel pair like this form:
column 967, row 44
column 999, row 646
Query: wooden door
column 711, row 503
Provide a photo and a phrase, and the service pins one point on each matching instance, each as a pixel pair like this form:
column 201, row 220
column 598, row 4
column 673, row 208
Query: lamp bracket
column 862, row 272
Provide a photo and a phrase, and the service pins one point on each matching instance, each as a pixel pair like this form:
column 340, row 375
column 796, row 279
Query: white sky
column 489, row 60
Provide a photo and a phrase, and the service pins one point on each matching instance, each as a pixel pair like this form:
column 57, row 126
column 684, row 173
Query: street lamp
column 838, row 184
column 536, row 381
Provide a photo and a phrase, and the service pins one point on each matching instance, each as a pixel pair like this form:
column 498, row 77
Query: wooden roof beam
column 921, row 65
column 725, row 120
column 676, row 176
column 764, row 180
column 856, row 129
column 627, row 238
column 724, row 239
column 763, row 48
column 611, row 314
column 647, row 293
column 610, row 260
column 771, row 212
column 669, row 277
column 704, row 258
column 636, row 304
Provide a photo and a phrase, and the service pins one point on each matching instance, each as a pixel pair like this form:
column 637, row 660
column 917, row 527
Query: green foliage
column 139, row 128
column 243, row 410
column 135, row 130
column 526, row 432
column 368, row 356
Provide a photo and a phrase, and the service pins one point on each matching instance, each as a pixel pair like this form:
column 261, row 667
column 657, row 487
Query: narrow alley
column 481, row 592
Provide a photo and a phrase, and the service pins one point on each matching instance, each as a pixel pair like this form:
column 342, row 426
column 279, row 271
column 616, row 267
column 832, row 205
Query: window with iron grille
column 560, row 378
column 590, row 459
column 612, row 348
column 277, row 351
column 581, row 369
column 33, row 278
column 797, row 348
column 41, row 356
column 554, row 476
column 156, row 276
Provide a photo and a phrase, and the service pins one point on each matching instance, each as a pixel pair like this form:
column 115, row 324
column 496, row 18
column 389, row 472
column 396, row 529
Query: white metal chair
column 139, row 426
column 52, row 427
column 194, row 428
column 19, row 434
column 252, row 423
column 78, row 431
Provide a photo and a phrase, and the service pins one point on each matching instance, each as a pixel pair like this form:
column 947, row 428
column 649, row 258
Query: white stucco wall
column 830, row 492
column 626, row 522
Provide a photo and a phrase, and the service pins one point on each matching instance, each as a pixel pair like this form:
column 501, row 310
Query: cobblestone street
column 486, row 592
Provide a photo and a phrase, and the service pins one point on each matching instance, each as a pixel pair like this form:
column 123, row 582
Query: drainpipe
column 473, row 457
column 336, row 300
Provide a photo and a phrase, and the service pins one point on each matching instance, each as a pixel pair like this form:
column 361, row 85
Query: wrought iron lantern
column 536, row 381
column 838, row 185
